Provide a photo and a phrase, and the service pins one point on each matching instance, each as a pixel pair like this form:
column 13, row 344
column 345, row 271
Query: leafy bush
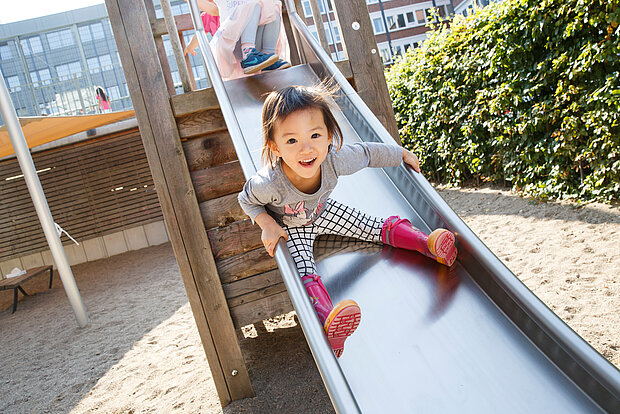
column 526, row 91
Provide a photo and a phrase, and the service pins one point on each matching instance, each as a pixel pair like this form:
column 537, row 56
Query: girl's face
column 302, row 141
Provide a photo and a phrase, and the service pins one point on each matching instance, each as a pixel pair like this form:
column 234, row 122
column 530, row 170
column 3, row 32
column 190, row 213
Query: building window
column 66, row 71
column 385, row 55
column 391, row 22
column 372, row 1
column 377, row 25
column 307, row 9
column 31, row 45
column 43, row 77
column 13, row 83
column 410, row 18
column 5, row 51
column 114, row 93
column 61, row 38
column 401, row 21
column 419, row 14
column 199, row 72
column 91, row 32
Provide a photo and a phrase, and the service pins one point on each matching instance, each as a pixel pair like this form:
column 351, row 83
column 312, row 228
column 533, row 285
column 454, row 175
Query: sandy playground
column 141, row 353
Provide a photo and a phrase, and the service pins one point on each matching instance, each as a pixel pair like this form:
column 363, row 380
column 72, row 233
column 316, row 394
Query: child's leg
column 253, row 60
column 339, row 321
column 346, row 221
column 438, row 245
column 267, row 40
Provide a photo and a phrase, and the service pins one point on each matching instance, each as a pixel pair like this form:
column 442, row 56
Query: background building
column 53, row 64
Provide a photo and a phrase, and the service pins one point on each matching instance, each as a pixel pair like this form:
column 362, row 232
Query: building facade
column 398, row 24
column 54, row 64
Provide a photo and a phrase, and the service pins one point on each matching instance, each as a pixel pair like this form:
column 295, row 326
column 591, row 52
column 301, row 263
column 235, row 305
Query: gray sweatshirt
column 271, row 191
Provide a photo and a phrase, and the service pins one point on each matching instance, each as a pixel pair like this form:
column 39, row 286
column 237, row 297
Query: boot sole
column 341, row 322
column 441, row 243
column 253, row 69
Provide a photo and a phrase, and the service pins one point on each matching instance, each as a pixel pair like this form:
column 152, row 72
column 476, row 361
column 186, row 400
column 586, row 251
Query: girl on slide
column 289, row 197
column 250, row 37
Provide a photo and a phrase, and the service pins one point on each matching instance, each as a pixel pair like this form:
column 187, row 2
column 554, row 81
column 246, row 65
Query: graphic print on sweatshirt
column 298, row 215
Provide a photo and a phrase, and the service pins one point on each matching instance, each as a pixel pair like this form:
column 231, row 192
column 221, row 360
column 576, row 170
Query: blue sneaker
column 280, row 64
column 256, row 61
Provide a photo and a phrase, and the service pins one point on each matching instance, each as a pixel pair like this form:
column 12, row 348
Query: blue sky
column 16, row 10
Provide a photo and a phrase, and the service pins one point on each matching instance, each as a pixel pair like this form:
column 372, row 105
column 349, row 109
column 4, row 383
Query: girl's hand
column 271, row 232
column 411, row 159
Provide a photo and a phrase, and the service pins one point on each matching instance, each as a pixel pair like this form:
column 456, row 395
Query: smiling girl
column 289, row 197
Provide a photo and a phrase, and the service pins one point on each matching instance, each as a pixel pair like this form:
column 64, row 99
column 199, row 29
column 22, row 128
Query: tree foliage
column 526, row 91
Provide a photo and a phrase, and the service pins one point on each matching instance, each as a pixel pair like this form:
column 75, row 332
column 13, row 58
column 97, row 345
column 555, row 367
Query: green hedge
column 525, row 91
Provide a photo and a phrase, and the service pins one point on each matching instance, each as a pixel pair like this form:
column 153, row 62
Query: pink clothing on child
column 210, row 23
column 234, row 17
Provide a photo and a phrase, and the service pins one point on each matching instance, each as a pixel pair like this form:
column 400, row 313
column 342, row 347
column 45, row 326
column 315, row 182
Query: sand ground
column 141, row 353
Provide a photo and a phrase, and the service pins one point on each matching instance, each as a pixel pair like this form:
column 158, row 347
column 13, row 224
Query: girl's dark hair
column 280, row 104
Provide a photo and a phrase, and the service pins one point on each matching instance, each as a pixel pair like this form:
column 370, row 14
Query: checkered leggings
column 335, row 219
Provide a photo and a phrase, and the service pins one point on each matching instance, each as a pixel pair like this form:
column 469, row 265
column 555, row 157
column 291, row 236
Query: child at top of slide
column 289, row 197
column 248, row 37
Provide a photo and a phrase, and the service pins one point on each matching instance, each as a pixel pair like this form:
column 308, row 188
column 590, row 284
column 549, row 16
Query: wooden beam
column 218, row 181
column 195, row 101
column 161, row 50
column 201, row 123
column 188, row 236
column 363, row 53
column 221, row 211
column 209, row 150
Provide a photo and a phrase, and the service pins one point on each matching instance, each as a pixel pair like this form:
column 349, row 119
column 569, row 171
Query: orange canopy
column 39, row 130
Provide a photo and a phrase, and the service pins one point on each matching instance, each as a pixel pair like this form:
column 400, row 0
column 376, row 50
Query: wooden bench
column 16, row 282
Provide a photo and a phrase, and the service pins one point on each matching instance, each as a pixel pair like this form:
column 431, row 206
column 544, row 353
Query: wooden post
column 161, row 50
column 361, row 48
column 168, row 165
column 294, row 52
column 175, row 43
column 318, row 23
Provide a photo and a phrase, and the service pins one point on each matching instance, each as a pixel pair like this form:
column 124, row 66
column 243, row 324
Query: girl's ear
column 274, row 148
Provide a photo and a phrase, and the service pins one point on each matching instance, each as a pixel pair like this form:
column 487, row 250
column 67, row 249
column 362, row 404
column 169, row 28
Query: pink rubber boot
column 339, row 321
column 439, row 245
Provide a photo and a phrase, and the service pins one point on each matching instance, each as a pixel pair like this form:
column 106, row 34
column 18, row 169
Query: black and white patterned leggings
column 336, row 218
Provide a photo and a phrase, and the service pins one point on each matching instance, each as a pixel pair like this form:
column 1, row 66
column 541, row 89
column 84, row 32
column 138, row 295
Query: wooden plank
column 245, row 265
column 344, row 66
column 259, row 310
column 221, row 211
column 366, row 66
column 218, row 181
column 177, row 198
column 161, row 49
column 195, row 101
column 237, row 238
column 209, row 150
column 183, row 22
column 318, row 24
column 201, row 123
column 251, row 284
column 256, row 295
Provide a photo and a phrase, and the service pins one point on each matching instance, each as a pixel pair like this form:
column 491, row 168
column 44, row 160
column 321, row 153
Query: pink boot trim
column 342, row 321
column 321, row 301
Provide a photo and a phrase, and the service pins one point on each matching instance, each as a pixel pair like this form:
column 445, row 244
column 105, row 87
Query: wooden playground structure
column 229, row 278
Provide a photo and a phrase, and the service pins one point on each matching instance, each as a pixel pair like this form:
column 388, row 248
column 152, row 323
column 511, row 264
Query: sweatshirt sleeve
column 254, row 197
column 352, row 158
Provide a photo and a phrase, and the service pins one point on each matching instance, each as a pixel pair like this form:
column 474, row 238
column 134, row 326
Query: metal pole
column 387, row 30
column 40, row 203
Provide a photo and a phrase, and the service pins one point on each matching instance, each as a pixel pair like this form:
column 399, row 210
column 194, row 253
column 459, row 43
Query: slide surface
column 432, row 339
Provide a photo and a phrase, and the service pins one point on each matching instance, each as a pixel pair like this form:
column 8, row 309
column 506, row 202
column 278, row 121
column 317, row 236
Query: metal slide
column 471, row 338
